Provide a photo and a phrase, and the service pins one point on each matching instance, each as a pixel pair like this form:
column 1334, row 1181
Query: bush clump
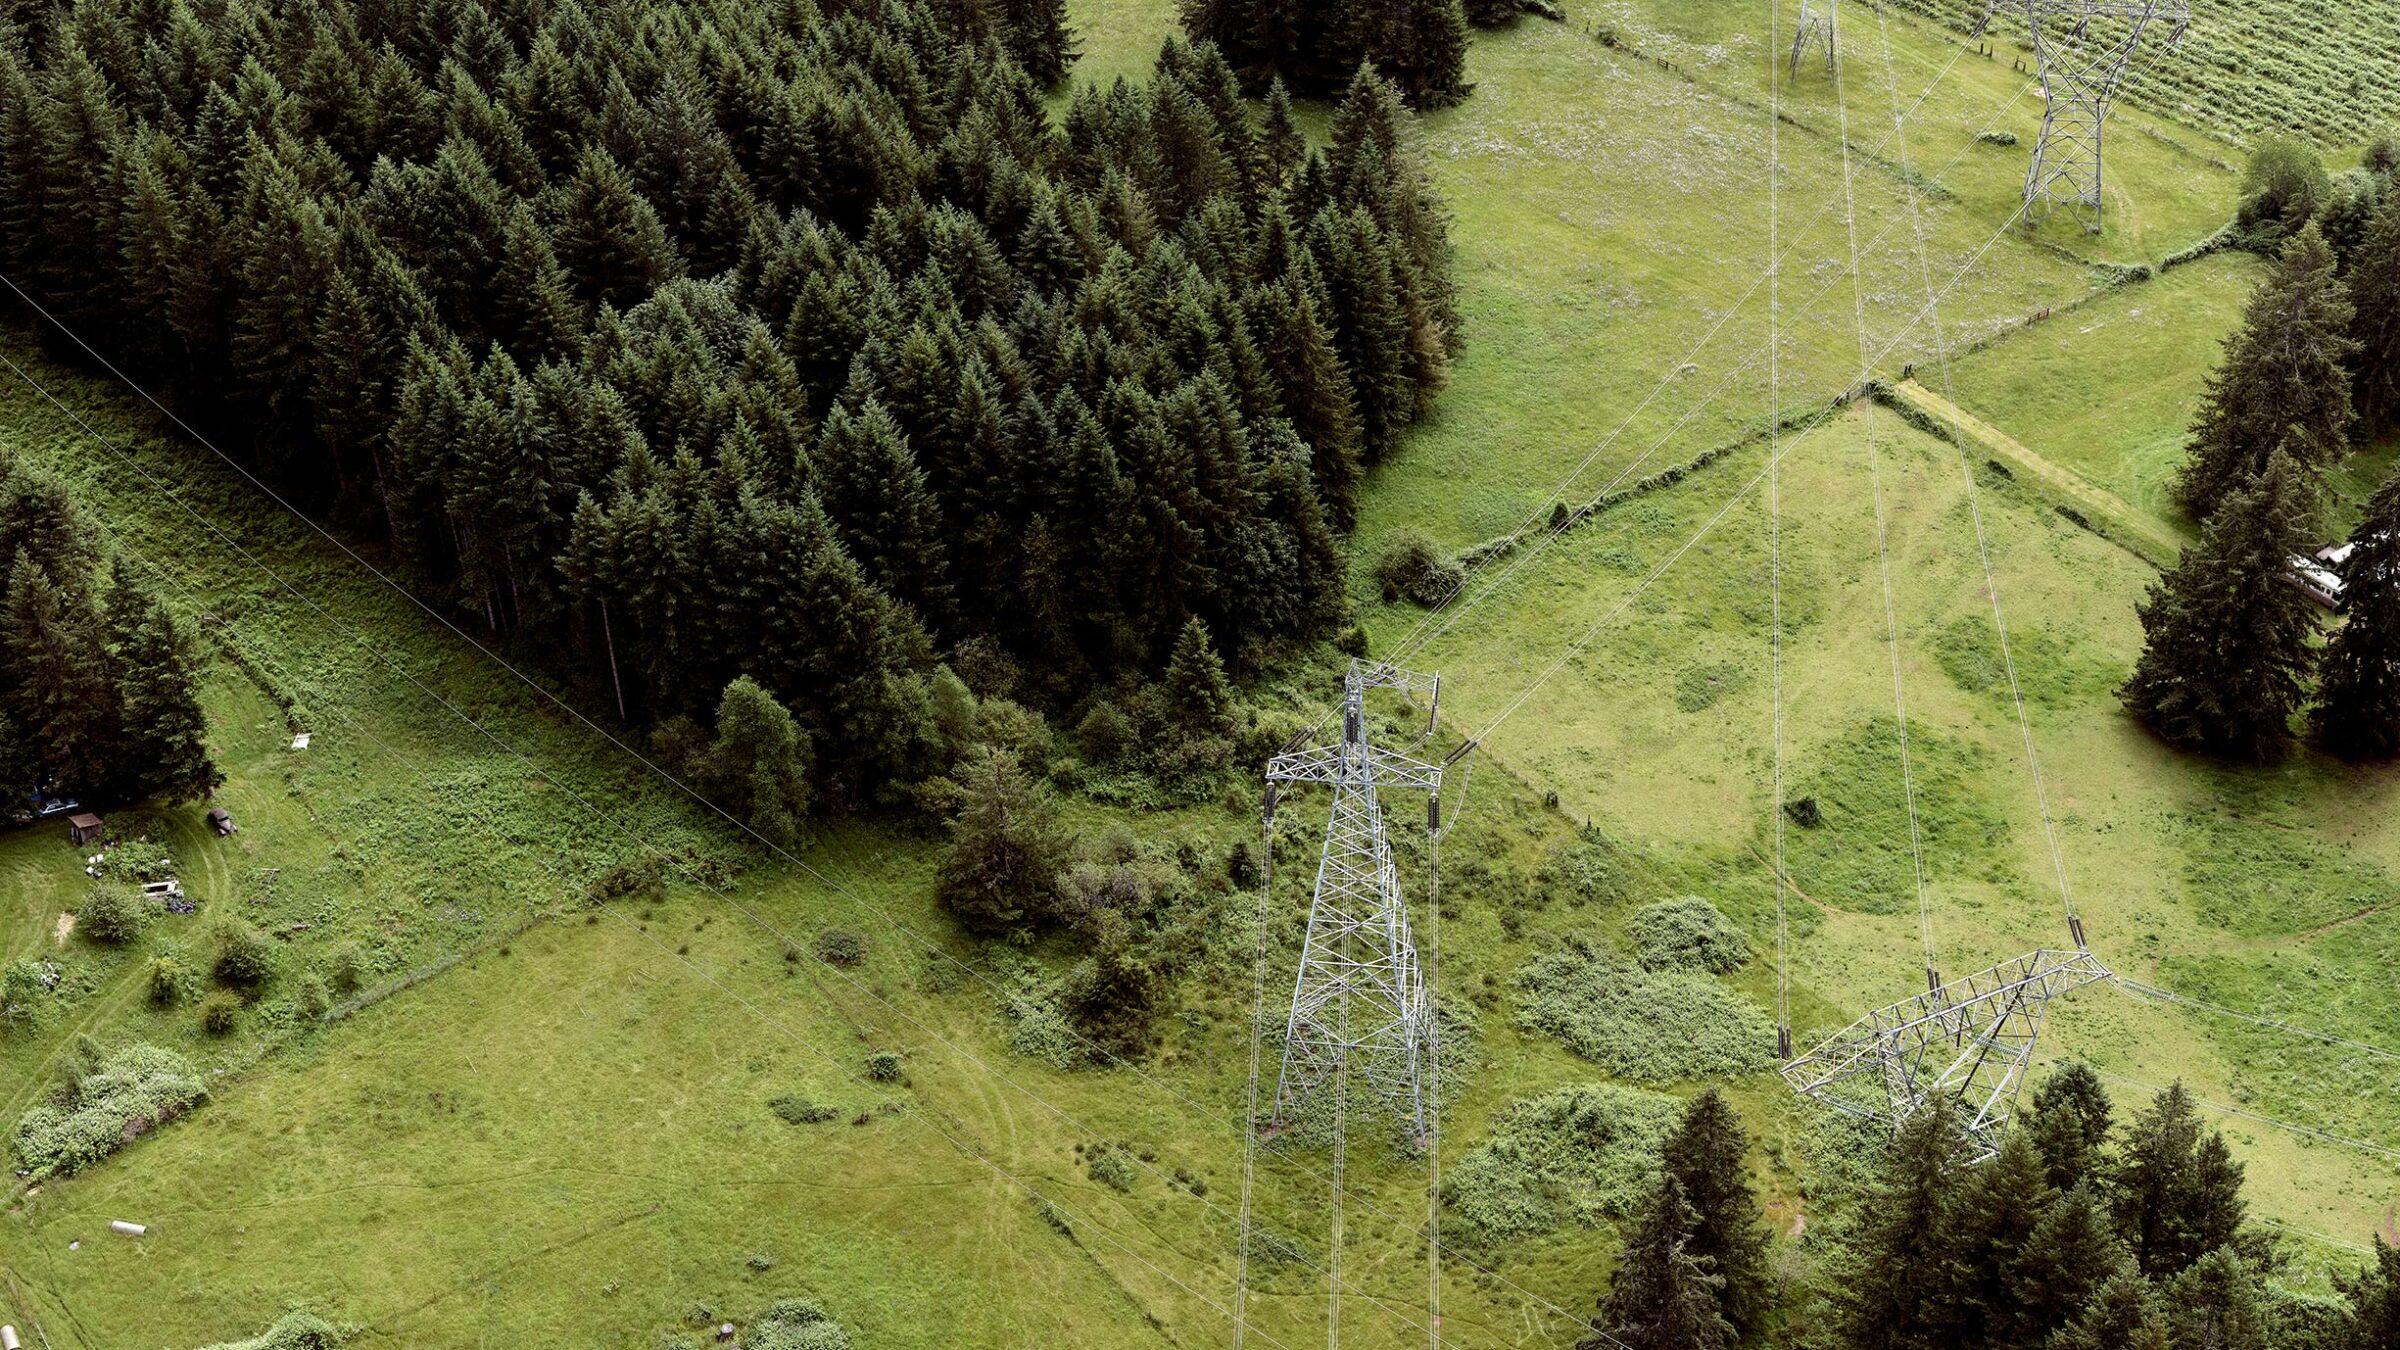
column 1111, row 1168
column 292, row 1331
column 884, row 1067
column 124, row 1096
column 244, row 958
column 167, row 979
column 1688, row 933
column 797, row 1110
column 112, row 912
column 795, row 1324
column 1651, row 1026
column 1575, row 1156
column 138, row 861
column 219, row 1011
column 1412, row 568
column 1580, row 871
column 841, row 947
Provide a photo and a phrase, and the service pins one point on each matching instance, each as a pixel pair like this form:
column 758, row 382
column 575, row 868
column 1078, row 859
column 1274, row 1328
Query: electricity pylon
column 1815, row 29
column 1358, row 1003
column 1969, row 1040
column 2084, row 48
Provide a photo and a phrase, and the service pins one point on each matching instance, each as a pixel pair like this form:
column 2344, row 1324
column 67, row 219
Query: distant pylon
column 1969, row 1040
column 2083, row 65
column 1815, row 29
column 1358, row 1002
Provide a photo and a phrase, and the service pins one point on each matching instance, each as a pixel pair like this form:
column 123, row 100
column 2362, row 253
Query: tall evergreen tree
column 2176, row 1195
column 1005, row 851
column 2218, row 1303
column 2000, row 1204
column 2374, row 1299
column 884, row 510
column 1199, row 697
column 2069, row 1125
column 2125, row 1314
column 2227, row 635
column 1892, row 1292
column 2284, row 383
column 165, row 735
column 1707, row 1155
column 2358, row 710
column 610, row 239
column 2374, row 282
column 59, row 691
column 2059, row 1270
column 1663, row 1296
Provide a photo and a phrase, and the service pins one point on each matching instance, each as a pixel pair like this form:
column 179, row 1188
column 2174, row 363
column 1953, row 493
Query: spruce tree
column 2374, row 1299
column 2374, row 282
column 609, row 238
column 2059, row 1270
column 884, row 511
column 2069, row 1124
column 2358, row 710
column 2176, row 1196
column 2125, row 1314
column 2218, row 1303
column 1707, row 1155
column 1006, row 852
column 1199, row 697
column 2283, row 383
column 1893, row 1288
column 164, row 747
column 2227, row 637
column 58, row 686
column 1280, row 139
column 2000, row 1203
column 1663, row 1296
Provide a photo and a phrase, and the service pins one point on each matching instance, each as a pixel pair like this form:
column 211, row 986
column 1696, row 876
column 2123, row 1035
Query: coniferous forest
column 795, row 341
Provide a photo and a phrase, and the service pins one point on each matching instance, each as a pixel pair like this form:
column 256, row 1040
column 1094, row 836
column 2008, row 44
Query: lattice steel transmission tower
column 1358, row 1003
column 2084, row 48
column 1969, row 1040
column 1817, row 28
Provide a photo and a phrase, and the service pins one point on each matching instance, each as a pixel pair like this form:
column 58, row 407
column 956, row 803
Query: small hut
column 221, row 820
column 84, row 828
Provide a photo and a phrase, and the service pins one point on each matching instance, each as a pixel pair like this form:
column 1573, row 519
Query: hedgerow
column 1572, row 1157
column 128, row 1094
column 1652, row 1026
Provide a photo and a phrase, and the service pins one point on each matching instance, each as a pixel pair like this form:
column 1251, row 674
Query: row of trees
column 1312, row 48
column 695, row 339
column 96, row 679
column 2231, row 643
column 2076, row 1236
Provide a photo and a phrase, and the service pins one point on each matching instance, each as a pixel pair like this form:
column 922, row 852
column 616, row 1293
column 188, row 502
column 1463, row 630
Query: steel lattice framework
column 2084, row 48
column 1358, row 1002
column 1816, row 29
column 1969, row 1040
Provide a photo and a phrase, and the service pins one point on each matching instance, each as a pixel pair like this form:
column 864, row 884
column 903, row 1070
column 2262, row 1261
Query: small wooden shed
column 84, row 828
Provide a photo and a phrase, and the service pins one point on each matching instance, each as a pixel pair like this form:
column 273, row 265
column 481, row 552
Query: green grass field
column 564, row 1138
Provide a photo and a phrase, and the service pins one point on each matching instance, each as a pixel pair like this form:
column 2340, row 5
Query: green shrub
column 167, row 979
column 884, row 1067
column 1105, row 734
column 346, row 967
column 312, row 1000
column 112, row 912
column 1651, row 1026
column 219, row 1011
column 128, row 1094
column 841, row 947
column 244, row 958
column 795, row 1110
column 1580, row 871
column 136, row 861
column 1411, row 567
column 292, row 1331
column 1688, row 933
column 1111, row 1168
column 795, row 1324
column 643, row 879
column 22, row 986
column 2001, row 136
column 1572, row 1157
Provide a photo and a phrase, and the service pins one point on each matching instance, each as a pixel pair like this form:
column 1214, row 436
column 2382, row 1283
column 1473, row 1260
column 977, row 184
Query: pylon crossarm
column 1334, row 764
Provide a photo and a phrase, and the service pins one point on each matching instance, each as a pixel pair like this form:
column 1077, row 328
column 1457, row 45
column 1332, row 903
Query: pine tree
column 2124, row 1314
column 533, row 303
column 58, row 685
column 2059, row 1271
column 1891, row 1293
column 2374, row 1299
column 884, row 510
column 1708, row 1155
column 2000, row 1203
column 164, row 746
column 2283, row 384
column 2358, row 713
column 2069, row 1125
column 2374, row 282
column 609, row 238
column 1006, row 852
column 1663, row 1295
column 2218, row 1303
column 1199, row 697
column 2227, row 636
column 758, row 767
column 1280, row 139
column 2175, row 1195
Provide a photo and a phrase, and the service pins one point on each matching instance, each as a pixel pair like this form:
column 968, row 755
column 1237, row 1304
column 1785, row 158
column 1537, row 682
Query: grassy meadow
column 563, row 1134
